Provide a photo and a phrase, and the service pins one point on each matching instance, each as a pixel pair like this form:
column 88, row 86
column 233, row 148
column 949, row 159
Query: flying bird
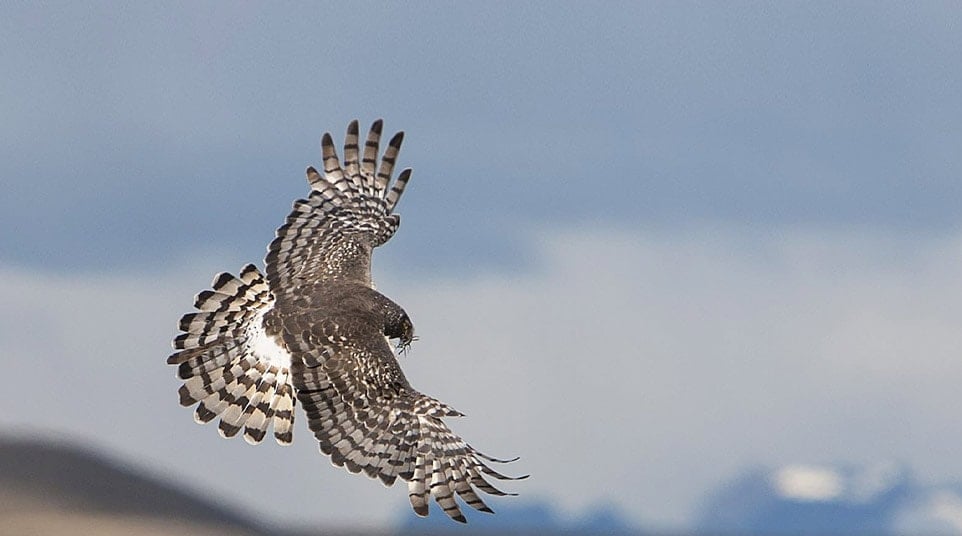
column 313, row 331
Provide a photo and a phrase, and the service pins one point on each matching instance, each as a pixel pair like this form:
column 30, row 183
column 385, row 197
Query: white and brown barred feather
column 317, row 329
column 331, row 234
column 229, row 366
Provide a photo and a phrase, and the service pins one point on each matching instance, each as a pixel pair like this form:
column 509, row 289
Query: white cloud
column 808, row 483
column 940, row 512
column 641, row 367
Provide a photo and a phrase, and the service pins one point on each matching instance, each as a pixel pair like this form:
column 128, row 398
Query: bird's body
column 313, row 330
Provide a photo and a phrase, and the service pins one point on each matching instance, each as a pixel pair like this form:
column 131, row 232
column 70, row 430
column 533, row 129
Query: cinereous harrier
column 315, row 331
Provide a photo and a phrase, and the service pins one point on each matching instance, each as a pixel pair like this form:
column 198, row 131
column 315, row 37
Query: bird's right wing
column 350, row 211
column 367, row 418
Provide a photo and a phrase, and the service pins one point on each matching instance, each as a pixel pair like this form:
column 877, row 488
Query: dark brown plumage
column 315, row 331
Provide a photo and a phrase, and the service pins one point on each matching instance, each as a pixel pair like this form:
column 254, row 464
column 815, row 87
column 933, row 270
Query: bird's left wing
column 367, row 417
column 350, row 210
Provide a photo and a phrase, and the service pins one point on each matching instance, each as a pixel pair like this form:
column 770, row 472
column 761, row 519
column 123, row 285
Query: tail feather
column 236, row 403
column 201, row 386
column 257, row 414
column 235, row 417
column 198, row 323
column 228, row 368
column 210, row 359
column 283, row 411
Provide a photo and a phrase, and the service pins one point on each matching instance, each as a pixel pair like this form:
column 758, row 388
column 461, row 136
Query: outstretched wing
column 349, row 212
column 368, row 418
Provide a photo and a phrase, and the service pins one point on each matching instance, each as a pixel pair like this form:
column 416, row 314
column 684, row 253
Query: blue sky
column 167, row 128
column 698, row 235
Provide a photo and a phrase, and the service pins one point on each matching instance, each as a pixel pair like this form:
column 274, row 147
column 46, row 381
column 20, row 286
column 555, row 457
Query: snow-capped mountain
column 831, row 499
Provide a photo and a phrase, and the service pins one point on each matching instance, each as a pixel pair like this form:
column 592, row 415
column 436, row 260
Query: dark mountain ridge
column 61, row 476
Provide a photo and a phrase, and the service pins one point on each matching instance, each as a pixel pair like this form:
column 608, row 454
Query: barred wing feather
column 367, row 418
column 331, row 233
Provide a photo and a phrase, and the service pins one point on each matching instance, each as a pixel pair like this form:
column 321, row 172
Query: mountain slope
column 51, row 485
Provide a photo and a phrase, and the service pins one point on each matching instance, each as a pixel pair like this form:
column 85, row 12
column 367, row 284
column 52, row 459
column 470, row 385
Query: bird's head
column 406, row 335
column 401, row 329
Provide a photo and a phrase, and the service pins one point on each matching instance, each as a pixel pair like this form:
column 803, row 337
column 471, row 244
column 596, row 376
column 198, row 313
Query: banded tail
column 230, row 367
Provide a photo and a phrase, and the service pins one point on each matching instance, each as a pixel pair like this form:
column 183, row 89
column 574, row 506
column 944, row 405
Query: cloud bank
column 638, row 367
